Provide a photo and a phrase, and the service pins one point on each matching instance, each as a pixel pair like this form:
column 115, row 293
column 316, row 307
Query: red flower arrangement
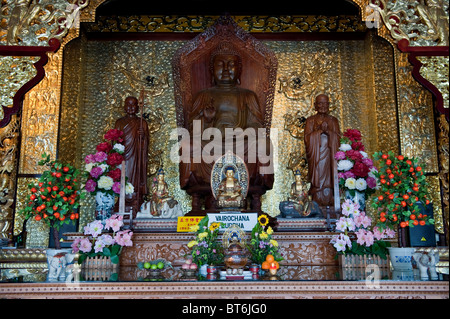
column 355, row 168
column 102, row 171
column 55, row 198
column 402, row 186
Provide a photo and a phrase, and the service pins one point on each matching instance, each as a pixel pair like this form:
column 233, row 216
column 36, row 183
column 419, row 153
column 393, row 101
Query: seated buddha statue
column 298, row 195
column 229, row 192
column 299, row 203
column 160, row 194
column 160, row 204
column 225, row 106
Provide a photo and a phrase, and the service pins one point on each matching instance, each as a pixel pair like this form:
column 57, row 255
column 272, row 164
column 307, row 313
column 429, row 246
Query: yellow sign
column 423, row 239
column 185, row 222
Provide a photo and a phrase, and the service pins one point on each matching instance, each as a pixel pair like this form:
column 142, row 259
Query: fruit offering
column 270, row 264
column 189, row 265
column 158, row 264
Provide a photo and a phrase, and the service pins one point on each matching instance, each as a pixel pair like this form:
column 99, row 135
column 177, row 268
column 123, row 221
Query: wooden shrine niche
column 192, row 73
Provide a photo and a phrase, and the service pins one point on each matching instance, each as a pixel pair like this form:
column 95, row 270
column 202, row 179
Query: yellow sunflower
column 263, row 220
column 214, row 226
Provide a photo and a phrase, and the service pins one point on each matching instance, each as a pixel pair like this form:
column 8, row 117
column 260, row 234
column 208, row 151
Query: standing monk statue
column 322, row 137
column 135, row 140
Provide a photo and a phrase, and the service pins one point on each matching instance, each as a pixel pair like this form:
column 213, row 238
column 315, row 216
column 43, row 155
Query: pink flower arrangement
column 355, row 223
column 356, row 171
column 102, row 168
column 98, row 243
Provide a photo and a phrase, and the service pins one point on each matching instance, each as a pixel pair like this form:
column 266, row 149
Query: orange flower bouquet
column 403, row 187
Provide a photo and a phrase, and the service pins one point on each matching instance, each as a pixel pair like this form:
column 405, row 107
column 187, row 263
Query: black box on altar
column 423, row 236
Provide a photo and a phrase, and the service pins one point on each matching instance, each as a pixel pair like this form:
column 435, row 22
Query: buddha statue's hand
column 209, row 113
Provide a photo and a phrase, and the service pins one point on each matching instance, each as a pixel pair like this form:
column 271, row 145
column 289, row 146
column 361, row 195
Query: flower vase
column 105, row 205
column 358, row 197
column 203, row 270
column 401, row 258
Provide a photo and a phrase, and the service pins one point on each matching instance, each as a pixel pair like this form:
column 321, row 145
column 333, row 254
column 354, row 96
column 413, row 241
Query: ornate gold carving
column 144, row 23
column 434, row 13
column 29, row 22
column 434, row 190
column 443, row 142
column 421, row 23
column 416, row 118
column 9, row 137
column 40, row 117
column 15, row 71
column 435, row 69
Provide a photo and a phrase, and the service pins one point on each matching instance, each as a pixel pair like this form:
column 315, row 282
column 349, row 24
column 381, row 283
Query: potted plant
column 262, row 244
column 403, row 187
column 206, row 249
column 355, row 168
column 103, row 173
column 54, row 200
column 356, row 236
column 98, row 244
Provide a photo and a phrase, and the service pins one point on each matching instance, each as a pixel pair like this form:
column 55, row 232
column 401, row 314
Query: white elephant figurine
column 56, row 267
column 426, row 262
column 434, row 259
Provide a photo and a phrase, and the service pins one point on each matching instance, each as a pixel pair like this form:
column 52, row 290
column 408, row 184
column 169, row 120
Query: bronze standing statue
column 322, row 136
column 135, row 140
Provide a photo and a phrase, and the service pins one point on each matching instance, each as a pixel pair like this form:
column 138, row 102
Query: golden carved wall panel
column 9, row 137
column 40, row 117
column 436, row 69
column 416, row 118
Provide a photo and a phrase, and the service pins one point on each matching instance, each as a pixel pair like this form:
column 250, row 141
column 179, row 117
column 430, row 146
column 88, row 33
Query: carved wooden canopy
column 191, row 67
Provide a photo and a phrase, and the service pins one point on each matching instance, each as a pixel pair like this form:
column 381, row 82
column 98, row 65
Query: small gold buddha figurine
column 229, row 191
column 160, row 195
column 299, row 195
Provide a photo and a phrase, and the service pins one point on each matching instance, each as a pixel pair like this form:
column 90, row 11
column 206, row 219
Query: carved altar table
column 294, row 282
